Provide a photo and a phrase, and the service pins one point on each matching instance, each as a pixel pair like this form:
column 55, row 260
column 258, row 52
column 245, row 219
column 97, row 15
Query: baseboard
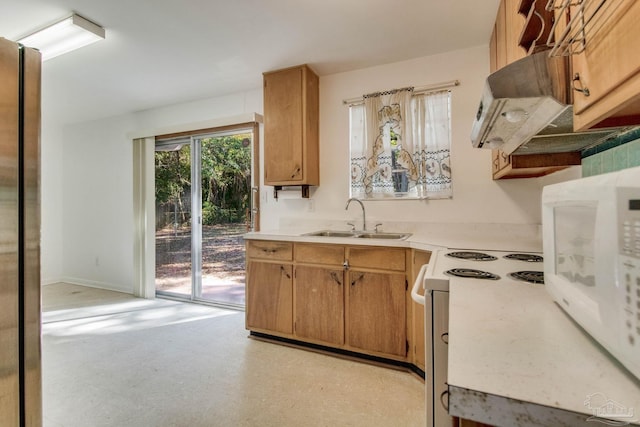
column 95, row 284
column 45, row 282
column 345, row 354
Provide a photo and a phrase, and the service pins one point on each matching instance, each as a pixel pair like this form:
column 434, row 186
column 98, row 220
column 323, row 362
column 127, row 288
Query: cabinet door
column 377, row 312
column 514, row 23
column 319, row 304
column 419, row 259
column 609, row 67
column 269, row 297
column 283, row 123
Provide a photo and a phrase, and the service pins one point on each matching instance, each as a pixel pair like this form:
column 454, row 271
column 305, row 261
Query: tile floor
column 110, row 359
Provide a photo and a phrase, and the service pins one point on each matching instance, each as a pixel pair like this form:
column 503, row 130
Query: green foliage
column 226, row 179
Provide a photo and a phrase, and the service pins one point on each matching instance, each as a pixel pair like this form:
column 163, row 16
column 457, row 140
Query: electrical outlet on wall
column 311, row 206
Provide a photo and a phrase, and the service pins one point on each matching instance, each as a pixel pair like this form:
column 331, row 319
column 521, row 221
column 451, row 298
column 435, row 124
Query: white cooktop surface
column 436, row 277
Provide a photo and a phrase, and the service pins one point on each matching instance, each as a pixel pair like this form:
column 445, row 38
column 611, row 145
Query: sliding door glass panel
column 173, row 219
column 225, row 194
column 203, row 207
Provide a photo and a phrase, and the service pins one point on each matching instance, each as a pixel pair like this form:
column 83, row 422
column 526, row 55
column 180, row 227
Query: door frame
column 144, row 217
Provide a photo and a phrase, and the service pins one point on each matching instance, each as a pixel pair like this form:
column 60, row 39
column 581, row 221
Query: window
column 400, row 145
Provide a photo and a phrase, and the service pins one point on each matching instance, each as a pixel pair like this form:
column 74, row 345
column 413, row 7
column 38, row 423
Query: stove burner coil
column 524, row 257
column 472, row 274
column 528, row 276
column 471, row 256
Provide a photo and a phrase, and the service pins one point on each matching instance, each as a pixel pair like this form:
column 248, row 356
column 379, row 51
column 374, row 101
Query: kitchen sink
column 381, row 235
column 330, row 233
column 359, row 234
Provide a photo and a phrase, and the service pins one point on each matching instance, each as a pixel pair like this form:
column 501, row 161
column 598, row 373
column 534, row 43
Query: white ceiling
column 161, row 52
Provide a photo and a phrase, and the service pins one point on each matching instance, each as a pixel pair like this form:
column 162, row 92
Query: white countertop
column 425, row 236
column 518, row 344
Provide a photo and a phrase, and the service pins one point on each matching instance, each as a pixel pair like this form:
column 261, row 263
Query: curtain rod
column 416, row 91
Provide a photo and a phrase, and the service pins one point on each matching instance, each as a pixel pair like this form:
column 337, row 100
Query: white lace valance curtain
column 400, row 145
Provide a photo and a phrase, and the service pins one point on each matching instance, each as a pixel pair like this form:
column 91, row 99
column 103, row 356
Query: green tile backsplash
column 621, row 153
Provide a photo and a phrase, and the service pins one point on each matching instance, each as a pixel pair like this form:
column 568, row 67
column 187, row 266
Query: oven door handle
column 417, row 284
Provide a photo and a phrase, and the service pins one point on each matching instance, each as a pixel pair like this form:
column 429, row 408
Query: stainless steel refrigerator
column 20, row 348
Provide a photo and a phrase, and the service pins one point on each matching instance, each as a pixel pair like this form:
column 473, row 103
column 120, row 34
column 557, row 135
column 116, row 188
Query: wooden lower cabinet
column 269, row 293
column 319, row 304
column 418, row 259
column 353, row 298
column 377, row 312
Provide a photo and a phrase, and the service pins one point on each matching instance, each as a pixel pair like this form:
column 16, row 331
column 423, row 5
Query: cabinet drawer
column 262, row 249
column 319, row 254
column 378, row 258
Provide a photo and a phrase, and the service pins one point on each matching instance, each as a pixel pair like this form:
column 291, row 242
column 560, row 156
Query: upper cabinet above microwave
column 522, row 27
column 569, row 70
column 605, row 60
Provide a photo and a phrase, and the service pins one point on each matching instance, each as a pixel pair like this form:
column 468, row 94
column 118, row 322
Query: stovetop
column 475, row 265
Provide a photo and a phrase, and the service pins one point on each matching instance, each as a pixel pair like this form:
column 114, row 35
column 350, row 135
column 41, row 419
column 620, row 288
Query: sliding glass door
column 173, row 219
column 205, row 202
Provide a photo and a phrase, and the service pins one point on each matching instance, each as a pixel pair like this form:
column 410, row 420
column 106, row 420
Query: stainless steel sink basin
column 359, row 234
column 380, row 235
column 330, row 233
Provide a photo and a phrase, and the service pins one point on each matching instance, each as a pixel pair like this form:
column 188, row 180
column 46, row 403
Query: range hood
column 526, row 108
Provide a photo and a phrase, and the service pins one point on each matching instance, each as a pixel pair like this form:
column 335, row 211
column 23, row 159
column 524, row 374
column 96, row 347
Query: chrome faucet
column 364, row 216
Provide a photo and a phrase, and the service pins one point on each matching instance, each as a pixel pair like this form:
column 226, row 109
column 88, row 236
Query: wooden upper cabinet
column 609, row 68
column 504, row 43
column 505, row 166
column 514, row 24
column 291, row 131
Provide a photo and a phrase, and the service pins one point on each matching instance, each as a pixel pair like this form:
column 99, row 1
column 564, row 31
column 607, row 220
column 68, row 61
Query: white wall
column 89, row 238
column 87, row 212
column 476, row 197
column 51, row 194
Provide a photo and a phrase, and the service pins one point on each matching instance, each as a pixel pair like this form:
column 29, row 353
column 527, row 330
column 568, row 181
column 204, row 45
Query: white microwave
column 591, row 244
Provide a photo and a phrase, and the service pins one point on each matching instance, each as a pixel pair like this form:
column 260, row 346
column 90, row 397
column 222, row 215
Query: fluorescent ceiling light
column 64, row 36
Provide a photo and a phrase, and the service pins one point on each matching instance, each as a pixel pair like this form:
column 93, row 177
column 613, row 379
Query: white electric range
column 463, row 266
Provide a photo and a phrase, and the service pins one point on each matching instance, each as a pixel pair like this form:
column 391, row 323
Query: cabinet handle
column 442, row 395
column 357, row 280
column 334, row 276
column 346, row 265
column 445, row 337
column 296, row 172
column 583, row 90
column 285, row 272
column 255, row 197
